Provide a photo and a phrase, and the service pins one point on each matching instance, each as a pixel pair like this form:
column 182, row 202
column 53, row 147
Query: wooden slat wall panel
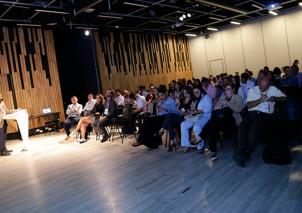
column 127, row 60
column 28, row 72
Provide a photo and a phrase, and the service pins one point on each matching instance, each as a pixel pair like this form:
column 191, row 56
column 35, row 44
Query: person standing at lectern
column 3, row 128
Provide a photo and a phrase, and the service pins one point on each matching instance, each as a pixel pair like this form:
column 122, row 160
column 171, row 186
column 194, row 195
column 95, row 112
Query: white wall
column 271, row 41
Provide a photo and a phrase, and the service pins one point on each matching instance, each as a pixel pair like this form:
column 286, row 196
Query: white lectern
column 21, row 116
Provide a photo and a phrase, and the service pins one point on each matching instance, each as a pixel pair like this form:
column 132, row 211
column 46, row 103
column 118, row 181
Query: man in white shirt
column 73, row 113
column 89, row 104
column 119, row 99
column 245, row 85
column 261, row 105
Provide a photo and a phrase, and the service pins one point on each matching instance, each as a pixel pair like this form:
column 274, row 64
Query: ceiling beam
column 222, row 6
column 231, row 18
column 88, row 6
column 8, row 9
column 27, row 4
column 35, row 14
column 141, row 9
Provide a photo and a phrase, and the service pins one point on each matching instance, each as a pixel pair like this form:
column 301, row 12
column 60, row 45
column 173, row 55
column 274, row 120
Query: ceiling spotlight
column 274, row 6
column 273, row 13
column 181, row 18
column 235, row 22
column 212, row 29
column 189, row 15
column 87, row 32
column 300, row 4
column 184, row 16
column 190, row 35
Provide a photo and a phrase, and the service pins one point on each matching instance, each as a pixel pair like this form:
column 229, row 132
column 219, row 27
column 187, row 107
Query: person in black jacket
column 110, row 113
column 90, row 118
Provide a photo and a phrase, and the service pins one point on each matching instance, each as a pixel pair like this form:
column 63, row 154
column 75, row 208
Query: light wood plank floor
column 58, row 176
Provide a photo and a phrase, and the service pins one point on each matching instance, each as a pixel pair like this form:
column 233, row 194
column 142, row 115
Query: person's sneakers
column 214, row 156
column 105, row 138
column 5, row 153
column 82, row 141
column 201, row 147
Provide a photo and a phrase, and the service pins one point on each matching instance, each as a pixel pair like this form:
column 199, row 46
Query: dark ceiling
column 136, row 15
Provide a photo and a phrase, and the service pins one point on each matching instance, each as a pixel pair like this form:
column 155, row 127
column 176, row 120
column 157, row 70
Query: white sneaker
column 82, row 141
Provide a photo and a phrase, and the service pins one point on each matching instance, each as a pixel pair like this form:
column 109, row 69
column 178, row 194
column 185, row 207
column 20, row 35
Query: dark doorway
column 77, row 64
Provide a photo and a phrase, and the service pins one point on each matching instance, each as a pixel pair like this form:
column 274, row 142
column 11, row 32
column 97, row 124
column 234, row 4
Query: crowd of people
column 188, row 110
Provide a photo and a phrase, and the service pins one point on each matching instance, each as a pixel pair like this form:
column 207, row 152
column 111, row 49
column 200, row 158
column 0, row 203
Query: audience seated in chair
column 110, row 113
column 119, row 98
column 152, row 124
column 89, row 105
column 174, row 119
column 197, row 118
column 139, row 103
column 260, row 102
column 73, row 113
column 245, row 85
column 225, row 116
column 91, row 118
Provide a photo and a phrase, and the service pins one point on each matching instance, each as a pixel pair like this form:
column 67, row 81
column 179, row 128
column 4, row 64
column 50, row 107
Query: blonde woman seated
column 95, row 113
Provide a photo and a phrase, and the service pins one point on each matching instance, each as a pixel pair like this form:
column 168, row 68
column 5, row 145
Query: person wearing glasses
column 225, row 116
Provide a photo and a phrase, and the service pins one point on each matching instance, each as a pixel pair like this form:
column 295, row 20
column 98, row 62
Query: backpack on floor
column 277, row 154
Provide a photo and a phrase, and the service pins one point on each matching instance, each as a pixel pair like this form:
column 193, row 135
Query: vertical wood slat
column 145, row 59
column 42, row 93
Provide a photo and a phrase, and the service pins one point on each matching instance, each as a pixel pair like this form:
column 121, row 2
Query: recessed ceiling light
column 184, row 16
column 189, row 15
column 300, row 4
column 181, row 18
column 235, row 22
column 212, row 29
column 273, row 13
column 190, row 35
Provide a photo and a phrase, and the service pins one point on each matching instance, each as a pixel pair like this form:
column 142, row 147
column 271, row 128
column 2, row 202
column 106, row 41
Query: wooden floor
column 58, row 176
